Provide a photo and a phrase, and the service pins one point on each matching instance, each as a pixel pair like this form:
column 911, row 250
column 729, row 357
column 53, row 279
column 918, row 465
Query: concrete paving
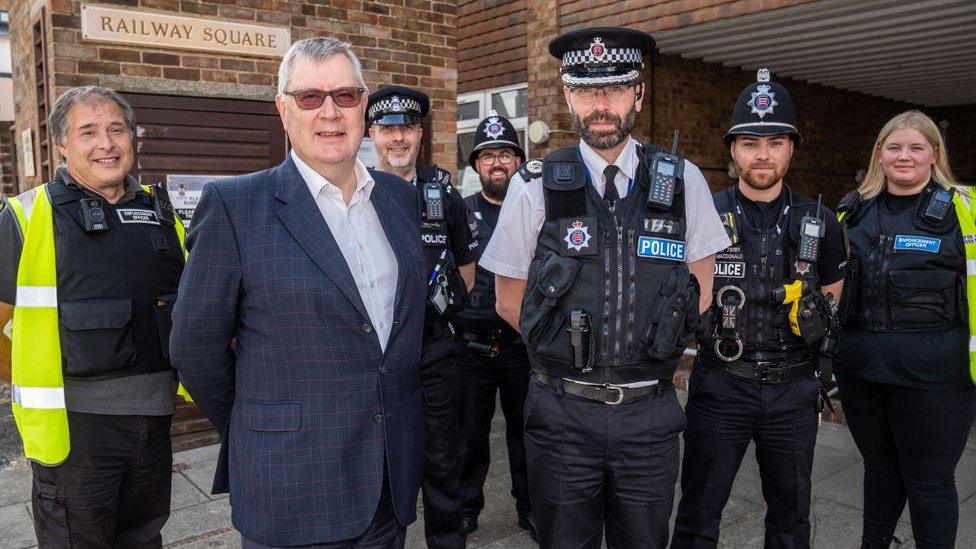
column 202, row 521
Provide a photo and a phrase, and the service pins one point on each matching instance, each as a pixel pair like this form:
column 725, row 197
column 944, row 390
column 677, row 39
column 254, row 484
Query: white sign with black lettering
column 730, row 269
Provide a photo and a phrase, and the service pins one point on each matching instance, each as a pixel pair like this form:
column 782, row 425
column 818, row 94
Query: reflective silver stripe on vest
column 27, row 201
column 38, row 397
column 971, row 267
column 37, row 296
column 972, row 344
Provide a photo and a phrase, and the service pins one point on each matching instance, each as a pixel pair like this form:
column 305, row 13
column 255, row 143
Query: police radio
column 812, row 230
column 666, row 169
column 434, row 197
column 939, row 205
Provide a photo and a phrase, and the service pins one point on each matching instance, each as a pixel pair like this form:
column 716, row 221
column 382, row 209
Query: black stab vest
column 640, row 306
column 907, row 273
column 110, row 285
column 760, row 261
column 480, row 315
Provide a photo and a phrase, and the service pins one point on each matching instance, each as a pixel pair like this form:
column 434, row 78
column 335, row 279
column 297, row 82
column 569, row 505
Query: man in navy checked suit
column 315, row 268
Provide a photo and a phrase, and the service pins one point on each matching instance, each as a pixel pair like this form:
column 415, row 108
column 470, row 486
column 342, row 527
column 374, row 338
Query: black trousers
column 725, row 413
column 114, row 488
column 593, row 466
column 383, row 532
column 482, row 379
column 911, row 441
column 442, row 446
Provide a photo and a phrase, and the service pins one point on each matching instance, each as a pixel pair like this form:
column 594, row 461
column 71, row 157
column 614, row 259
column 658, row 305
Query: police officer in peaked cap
column 604, row 271
column 395, row 115
column 755, row 377
column 494, row 363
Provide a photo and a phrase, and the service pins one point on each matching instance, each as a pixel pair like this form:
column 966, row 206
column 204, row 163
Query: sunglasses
column 312, row 98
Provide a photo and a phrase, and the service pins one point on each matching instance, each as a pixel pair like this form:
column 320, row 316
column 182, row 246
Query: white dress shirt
column 512, row 245
column 357, row 230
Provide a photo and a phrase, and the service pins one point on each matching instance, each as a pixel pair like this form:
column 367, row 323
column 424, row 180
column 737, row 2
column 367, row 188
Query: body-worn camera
column 93, row 215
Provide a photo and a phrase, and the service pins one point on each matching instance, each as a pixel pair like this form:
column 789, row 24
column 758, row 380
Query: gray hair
column 318, row 48
column 58, row 121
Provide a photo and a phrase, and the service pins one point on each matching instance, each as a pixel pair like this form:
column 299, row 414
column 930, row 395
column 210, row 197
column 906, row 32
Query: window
column 512, row 102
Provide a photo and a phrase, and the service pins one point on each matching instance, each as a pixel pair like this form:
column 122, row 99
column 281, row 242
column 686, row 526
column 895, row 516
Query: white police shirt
column 512, row 245
column 357, row 230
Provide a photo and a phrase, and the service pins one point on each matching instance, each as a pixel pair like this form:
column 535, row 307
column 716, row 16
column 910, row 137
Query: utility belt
column 765, row 372
column 606, row 393
column 490, row 343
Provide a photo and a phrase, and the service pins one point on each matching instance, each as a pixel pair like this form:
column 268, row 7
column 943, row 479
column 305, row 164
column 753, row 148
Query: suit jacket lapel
column 303, row 219
column 394, row 219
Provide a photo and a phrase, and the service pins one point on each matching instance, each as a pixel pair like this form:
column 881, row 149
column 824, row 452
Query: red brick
column 237, row 65
column 98, row 67
column 219, row 76
column 258, row 79
column 115, row 54
column 139, row 69
column 155, row 58
column 178, row 73
column 200, row 62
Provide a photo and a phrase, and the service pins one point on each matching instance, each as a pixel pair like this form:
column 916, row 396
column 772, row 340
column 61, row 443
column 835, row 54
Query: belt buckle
column 618, row 399
column 762, row 367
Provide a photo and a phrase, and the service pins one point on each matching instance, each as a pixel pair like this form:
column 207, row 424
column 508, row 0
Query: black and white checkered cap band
column 602, row 80
column 614, row 56
column 385, row 106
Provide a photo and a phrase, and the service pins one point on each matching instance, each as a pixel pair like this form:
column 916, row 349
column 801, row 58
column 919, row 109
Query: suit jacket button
column 378, row 418
column 383, row 369
column 368, row 328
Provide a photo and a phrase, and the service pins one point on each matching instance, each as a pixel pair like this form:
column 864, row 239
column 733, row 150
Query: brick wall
column 838, row 127
column 8, row 176
column 661, row 14
column 491, row 43
column 960, row 139
column 408, row 42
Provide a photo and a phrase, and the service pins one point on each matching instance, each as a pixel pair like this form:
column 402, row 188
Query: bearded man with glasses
column 605, row 280
column 315, row 268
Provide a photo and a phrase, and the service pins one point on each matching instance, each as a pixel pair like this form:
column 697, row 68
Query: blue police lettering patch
column 917, row 243
column 661, row 248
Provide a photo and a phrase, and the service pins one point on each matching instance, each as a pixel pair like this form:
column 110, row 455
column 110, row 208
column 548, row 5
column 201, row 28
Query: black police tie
column 610, row 188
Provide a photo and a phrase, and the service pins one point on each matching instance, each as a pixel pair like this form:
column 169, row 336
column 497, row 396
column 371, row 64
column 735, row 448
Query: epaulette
column 530, row 170
column 847, row 205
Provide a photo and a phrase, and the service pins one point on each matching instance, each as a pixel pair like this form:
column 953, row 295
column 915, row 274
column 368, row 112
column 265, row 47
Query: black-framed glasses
column 615, row 93
column 488, row 158
column 311, row 98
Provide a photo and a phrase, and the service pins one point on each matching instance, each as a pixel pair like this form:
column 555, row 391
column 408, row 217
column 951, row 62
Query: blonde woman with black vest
column 904, row 369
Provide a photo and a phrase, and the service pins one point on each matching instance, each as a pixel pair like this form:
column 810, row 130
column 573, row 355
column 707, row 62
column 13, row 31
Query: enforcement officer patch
column 969, row 238
column 660, row 248
column 396, row 105
column 433, row 239
column 132, row 215
column 730, row 269
column 494, row 128
column 917, row 243
column 577, row 239
column 762, row 101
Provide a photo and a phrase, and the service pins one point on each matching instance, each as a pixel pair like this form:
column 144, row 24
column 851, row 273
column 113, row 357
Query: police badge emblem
column 598, row 49
column 802, row 268
column 494, row 128
column 762, row 101
column 577, row 236
column 396, row 105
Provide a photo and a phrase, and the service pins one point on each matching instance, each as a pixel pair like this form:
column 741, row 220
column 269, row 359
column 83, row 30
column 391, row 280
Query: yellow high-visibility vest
column 967, row 224
column 37, row 379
